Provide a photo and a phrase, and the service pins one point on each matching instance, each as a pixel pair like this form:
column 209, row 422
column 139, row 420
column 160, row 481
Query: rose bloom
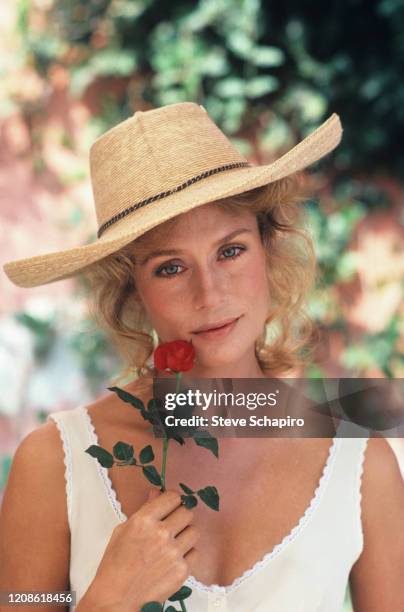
column 177, row 356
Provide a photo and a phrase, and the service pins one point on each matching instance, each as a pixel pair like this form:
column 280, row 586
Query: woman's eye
column 171, row 269
column 231, row 250
column 168, row 268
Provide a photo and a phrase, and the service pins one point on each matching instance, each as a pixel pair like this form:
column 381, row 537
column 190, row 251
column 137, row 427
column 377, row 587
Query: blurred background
column 268, row 73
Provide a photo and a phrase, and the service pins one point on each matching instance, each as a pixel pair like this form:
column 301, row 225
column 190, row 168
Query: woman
column 191, row 235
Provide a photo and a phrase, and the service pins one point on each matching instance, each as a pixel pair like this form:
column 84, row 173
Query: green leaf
column 177, row 438
column 243, row 145
column 346, row 266
column 183, row 593
column 106, row 62
column 157, row 416
column 122, row 451
column 207, row 441
column 128, row 398
column 261, row 85
column 240, row 43
column 276, row 134
column 267, row 56
column 115, row 62
column 152, row 606
column 215, row 63
column 153, row 419
column 189, row 501
column 156, row 406
column 311, row 103
column 170, row 609
column 103, row 456
column 152, row 474
column 229, row 88
column 146, row 454
column 156, row 412
column 185, row 488
column 210, row 497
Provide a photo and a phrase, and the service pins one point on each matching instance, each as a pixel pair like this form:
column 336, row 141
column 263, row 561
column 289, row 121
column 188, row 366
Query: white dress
column 307, row 571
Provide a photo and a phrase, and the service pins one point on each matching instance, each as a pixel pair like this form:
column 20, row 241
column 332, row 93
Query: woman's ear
column 136, row 296
column 261, row 341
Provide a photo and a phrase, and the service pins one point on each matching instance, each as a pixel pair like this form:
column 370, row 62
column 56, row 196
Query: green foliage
column 98, row 359
column 205, row 439
column 152, row 475
column 128, row 398
column 181, row 594
column 331, row 234
column 123, row 451
column 238, row 57
column 103, row 456
column 209, row 496
column 376, row 350
column 152, row 606
column 146, row 454
column 105, row 63
column 5, row 466
column 189, row 501
column 185, row 488
column 43, row 332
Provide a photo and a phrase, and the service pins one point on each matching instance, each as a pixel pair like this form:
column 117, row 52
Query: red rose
column 177, row 356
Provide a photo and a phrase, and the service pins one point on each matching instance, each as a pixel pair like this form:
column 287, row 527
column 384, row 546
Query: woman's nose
column 209, row 287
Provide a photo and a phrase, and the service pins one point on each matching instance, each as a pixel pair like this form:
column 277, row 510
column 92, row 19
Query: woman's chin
column 218, row 359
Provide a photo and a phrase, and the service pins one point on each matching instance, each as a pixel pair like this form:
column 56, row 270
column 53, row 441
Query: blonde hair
column 289, row 335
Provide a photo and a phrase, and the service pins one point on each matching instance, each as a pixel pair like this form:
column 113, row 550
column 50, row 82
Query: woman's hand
column 147, row 557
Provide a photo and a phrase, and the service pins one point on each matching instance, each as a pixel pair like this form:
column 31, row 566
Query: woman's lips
column 218, row 332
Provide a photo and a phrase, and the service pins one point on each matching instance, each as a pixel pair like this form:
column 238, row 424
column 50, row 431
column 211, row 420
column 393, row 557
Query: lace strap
column 358, row 487
column 67, row 454
column 294, row 533
column 102, row 471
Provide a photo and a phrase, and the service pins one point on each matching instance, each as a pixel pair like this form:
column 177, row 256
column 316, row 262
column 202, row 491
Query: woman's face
column 213, row 270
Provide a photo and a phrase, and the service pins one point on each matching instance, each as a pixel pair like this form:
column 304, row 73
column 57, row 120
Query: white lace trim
column 292, row 535
column 358, row 488
column 67, row 457
column 102, row 471
column 296, row 530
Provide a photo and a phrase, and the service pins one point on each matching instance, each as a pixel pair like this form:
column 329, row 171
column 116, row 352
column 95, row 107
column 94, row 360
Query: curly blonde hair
column 289, row 335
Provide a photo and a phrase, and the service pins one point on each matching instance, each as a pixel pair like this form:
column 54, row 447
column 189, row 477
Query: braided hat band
column 164, row 194
column 158, row 164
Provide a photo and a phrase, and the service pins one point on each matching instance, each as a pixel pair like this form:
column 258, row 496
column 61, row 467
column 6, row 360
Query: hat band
column 164, row 194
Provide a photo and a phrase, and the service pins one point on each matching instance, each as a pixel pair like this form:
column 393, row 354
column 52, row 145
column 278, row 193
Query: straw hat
column 156, row 165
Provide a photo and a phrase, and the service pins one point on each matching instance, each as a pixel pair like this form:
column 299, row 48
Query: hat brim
column 60, row 265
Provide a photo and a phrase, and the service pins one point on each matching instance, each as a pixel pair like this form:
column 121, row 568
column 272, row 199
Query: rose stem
column 166, row 440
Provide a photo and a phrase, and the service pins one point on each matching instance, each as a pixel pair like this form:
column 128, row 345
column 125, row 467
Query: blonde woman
column 195, row 243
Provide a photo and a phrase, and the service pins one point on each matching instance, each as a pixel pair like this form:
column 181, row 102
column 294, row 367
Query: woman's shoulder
column 35, row 496
column 41, row 442
column 382, row 519
column 37, row 470
column 382, row 481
